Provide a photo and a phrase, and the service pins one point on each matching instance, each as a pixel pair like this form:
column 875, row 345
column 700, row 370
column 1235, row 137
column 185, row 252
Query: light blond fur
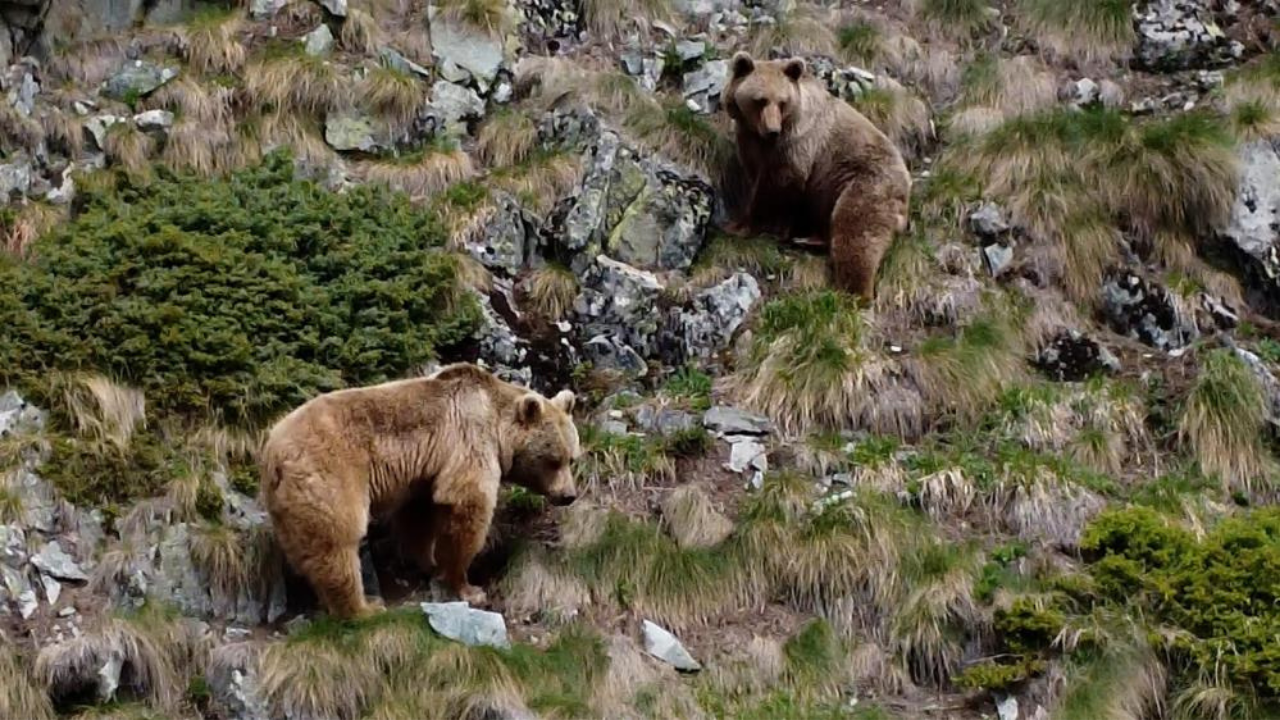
column 427, row 452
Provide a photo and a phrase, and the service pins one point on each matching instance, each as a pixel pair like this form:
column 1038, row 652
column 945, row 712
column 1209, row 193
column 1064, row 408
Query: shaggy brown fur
column 816, row 168
column 436, row 446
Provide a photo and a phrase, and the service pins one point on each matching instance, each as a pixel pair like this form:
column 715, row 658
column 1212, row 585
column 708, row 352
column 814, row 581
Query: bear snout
column 563, row 500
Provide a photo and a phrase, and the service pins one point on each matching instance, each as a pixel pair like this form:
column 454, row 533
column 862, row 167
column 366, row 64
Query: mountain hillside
column 1035, row 478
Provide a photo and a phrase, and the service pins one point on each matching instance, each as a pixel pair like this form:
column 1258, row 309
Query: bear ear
column 742, row 64
column 528, row 409
column 564, row 400
column 794, row 69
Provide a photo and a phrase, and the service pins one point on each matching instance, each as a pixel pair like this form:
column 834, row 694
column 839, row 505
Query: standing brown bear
column 434, row 447
column 815, row 168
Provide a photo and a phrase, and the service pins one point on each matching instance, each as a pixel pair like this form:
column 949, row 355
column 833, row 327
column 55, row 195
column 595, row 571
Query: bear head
column 544, row 446
column 763, row 96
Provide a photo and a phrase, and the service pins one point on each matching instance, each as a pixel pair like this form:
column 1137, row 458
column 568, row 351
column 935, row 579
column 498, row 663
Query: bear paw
column 473, row 595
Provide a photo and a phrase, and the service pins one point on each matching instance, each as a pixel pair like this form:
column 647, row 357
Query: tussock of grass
column 802, row 30
column 541, row 181
column 21, row 228
column 130, row 148
column 607, row 19
column 222, row 555
column 549, row 291
column 861, row 42
column 1223, row 421
column 506, row 138
column 1121, row 683
column 490, row 16
column 203, row 149
column 87, row 63
column 1013, row 87
column 19, row 695
column 1085, row 31
column 294, row 83
column 681, row 134
column 17, row 131
column 1098, row 425
column 156, row 651
column 963, row 373
column 361, row 33
column 301, row 135
column 538, row 589
column 623, row 461
column 1207, row 700
column 897, row 113
column 393, row 95
column 422, row 175
column 954, row 18
column 101, row 409
column 212, row 46
column 692, row 519
column 63, row 131
column 191, row 99
column 938, row 613
column 722, row 256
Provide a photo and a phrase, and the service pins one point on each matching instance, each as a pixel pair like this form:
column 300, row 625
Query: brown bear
column 815, row 168
column 345, row 457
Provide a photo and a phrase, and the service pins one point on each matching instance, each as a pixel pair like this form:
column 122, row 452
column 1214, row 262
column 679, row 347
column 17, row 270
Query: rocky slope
column 1033, row 480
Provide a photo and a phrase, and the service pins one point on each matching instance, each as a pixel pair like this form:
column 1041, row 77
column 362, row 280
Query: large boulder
column 1181, row 34
column 615, row 309
column 136, row 80
column 465, row 54
column 1254, row 226
column 708, row 323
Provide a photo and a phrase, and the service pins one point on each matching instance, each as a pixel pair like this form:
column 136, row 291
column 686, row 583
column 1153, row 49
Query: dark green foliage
column 999, row 676
column 239, row 297
column 209, row 502
column 1026, row 627
column 688, row 443
column 1219, row 591
column 691, row 384
column 89, row 473
column 243, row 478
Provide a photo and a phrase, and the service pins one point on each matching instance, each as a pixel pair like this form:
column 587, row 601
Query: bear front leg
column 460, row 531
column 863, row 224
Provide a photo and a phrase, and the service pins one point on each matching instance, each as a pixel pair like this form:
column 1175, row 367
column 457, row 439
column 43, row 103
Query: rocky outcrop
column 1254, row 227
column 1181, row 34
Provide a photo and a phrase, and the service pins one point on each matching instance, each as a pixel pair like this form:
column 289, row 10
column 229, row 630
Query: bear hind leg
column 863, row 224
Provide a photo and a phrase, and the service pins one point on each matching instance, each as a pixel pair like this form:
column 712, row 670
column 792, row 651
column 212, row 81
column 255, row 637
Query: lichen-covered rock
column 507, row 240
column 452, row 106
column 458, row 621
column 656, row 218
column 846, row 82
column 499, row 346
column 702, row 87
column 394, row 60
column 15, row 179
column 573, row 129
column 647, row 68
column 319, row 41
column 1254, row 226
column 137, row 79
column 97, row 127
column 266, row 9
column 1146, row 311
column 555, row 23
column 158, row 121
column 234, row 683
column 707, row 325
column 615, row 309
column 581, row 222
column 1073, row 356
column 1180, row 34
column 465, row 53
column 661, row 644
column 348, row 131
column 21, row 87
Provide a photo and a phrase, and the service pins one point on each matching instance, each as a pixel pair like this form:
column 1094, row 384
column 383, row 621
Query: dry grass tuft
column 536, row 589
column 19, row 230
column 422, row 175
column 219, row 552
column 489, row 16
column 936, row 614
column 212, row 45
column 361, row 34
column 1128, row 682
column 102, row 409
column 473, row 274
column 677, row 132
column 1254, row 109
column 506, row 138
column 899, row 114
column 693, row 520
column 156, row 653
column 17, row 131
column 201, row 148
column 1087, row 32
column 190, row 99
column 994, row 89
column 317, row 680
column 607, row 19
column 19, row 695
column 294, row 84
column 541, row 181
column 63, row 131
column 393, row 95
column 958, row 19
column 1223, row 422
column 549, row 292
column 87, row 63
column 130, row 148
column 283, row 129
column 802, row 30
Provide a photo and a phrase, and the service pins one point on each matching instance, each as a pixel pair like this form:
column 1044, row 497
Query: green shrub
column 91, row 473
column 238, row 297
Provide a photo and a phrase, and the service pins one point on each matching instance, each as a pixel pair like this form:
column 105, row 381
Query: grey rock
column 37, row 498
column 1083, row 92
column 582, row 224
column 1074, row 356
column 394, row 60
column 1145, row 311
column 453, row 104
column 154, row 120
column 17, row 415
column 747, row 454
column 702, row 87
column 997, row 258
column 1254, row 225
column 234, row 684
column 573, row 129
column 616, row 303
column 15, row 179
column 707, row 325
column 1007, row 707
column 458, row 621
column 726, row 420
column 1110, row 94
column 1181, row 34
column 661, row 644
column 664, row 420
column 611, row 353
column 688, row 50
column 52, row 589
column 499, row 345
column 471, row 51
column 352, row 131
column 703, row 8
column 266, row 9
column 552, row 20
column 23, row 91
column 16, row 588
column 319, row 41
column 846, row 82
column 137, row 79
column 97, row 127
column 52, row 560
column 109, row 676
column 988, row 221
column 337, row 8
column 647, row 68
column 13, row 546
column 506, row 242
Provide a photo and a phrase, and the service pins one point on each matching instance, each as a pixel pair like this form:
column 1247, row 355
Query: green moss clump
column 89, row 473
column 236, row 297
